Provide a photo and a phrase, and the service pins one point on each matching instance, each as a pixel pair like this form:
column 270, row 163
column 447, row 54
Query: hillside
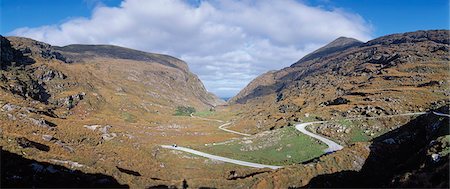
column 97, row 106
column 389, row 75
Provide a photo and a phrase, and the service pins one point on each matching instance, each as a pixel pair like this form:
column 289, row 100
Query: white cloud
column 227, row 43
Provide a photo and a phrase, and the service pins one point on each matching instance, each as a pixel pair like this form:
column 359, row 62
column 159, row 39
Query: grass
column 357, row 135
column 281, row 147
column 310, row 118
column 129, row 118
column 445, row 139
column 184, row 111
column 204, row 113
column 346, row 123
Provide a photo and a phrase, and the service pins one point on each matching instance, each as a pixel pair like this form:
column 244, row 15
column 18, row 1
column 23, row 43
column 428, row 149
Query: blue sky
column 386, row 16
column 227, row 43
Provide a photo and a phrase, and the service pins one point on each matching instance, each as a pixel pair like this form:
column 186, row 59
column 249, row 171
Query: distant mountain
column 388, row 75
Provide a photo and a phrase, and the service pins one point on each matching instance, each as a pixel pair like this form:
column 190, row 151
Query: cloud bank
column 226, row 43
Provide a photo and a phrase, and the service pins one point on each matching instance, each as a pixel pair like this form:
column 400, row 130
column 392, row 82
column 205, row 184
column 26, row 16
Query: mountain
column 148, row 76
column 89, row 107
column 389, row 75
column 338, row 45
column 268, row 79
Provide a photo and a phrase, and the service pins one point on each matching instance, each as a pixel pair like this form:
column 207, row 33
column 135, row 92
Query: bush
column 184, row 111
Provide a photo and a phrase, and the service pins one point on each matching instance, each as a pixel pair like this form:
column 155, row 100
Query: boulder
column 47, row 137
column 336, row 101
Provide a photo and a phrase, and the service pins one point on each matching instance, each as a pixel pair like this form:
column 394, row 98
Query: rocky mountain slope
column 269, row 78
column 389, row 75
column 89, row 107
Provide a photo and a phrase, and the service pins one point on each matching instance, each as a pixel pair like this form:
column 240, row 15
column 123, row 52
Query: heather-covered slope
column 389, row 75
column 94, row 110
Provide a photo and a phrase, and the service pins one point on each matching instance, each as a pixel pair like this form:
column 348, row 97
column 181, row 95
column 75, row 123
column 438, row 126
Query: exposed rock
column 435, row 157
column 105, row 129
column 428, row 84
column 72, row 164
column 70, row 101
column 288, row 108
column 52, row 74
column 65, row 146
column 108, row 137
column 47, row 137
column 39, row 122
column 336, row 101
column 92, row 127
column 25, row 143
column 10, row 107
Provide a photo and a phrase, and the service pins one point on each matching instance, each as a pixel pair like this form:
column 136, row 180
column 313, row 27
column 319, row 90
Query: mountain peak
column 339, row 44
column 342, row 41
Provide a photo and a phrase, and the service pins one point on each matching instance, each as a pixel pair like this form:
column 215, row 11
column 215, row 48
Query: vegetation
column 357, row 135
column 204, row 113
column 280, row 147
column 184, row 111
column 129, row 118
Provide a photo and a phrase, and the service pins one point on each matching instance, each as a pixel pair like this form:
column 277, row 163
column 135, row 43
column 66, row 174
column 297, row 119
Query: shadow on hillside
column 11, row 56
column 404, row 163
column 20, row 172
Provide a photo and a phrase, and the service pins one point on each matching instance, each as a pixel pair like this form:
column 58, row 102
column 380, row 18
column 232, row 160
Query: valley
column 374, row 112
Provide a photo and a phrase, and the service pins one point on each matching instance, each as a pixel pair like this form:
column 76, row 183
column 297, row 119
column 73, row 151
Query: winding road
column 332, row 146
column 221, row 127
column 220, row 158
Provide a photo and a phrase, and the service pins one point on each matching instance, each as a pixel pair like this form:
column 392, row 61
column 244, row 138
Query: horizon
column 241, row 49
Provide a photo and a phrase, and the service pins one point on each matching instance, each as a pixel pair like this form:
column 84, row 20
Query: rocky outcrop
column 32, row 48
column 336, row 101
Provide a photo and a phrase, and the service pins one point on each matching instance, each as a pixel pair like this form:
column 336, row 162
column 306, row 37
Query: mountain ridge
column 339, row 44
column 368, row 72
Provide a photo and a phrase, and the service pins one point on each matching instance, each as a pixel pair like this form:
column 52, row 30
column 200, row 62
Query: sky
column 227, row 43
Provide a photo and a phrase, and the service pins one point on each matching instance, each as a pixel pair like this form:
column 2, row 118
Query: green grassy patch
column 358, row 135
column 184, row 111
column 445, row 140
column 281, row 147
column 130, row 118
column 346, row 123
column 204, row 113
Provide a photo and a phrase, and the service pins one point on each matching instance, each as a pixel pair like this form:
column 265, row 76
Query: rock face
column 396, row 73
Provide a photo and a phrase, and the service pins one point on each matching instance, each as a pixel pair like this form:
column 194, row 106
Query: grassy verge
column 281, row 147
